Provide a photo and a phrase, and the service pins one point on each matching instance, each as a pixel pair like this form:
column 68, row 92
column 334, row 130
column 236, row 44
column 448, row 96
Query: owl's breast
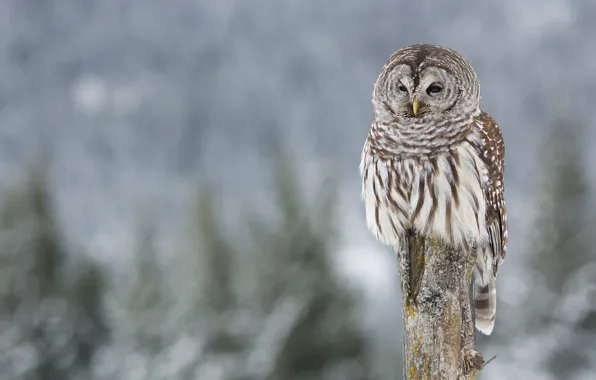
column 435, row 195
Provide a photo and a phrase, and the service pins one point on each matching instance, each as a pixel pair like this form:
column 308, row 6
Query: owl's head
column 421, row 83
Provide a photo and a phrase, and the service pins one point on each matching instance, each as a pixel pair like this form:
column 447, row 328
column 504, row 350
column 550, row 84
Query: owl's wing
column 492, row 153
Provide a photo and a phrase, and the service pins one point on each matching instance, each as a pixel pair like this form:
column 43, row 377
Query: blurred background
column 180, row 196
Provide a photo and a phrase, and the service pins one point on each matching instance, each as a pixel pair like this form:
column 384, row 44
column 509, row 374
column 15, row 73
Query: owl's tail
column 485, row 304
column 485, row 292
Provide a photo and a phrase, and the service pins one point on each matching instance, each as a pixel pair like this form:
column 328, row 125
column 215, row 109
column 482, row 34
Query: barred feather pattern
column 443, row 180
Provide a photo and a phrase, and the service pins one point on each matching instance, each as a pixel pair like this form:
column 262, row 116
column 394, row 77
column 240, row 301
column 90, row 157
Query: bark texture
column 437, row 311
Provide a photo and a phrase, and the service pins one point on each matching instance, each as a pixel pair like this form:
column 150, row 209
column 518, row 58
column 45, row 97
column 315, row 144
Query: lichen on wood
column 437, row 311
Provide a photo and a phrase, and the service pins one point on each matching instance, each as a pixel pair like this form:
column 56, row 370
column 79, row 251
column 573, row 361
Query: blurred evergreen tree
column 296, row 320
column 149, row 298
column 218, row 306
column 270, row 306
column 51, row 317
column 562, row 249
column 142, row 307
column 562, row 245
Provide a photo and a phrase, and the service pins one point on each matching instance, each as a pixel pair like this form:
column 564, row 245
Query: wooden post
column 437, row 311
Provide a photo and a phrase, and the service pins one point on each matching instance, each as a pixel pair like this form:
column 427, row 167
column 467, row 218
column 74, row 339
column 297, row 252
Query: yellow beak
column 415, row 106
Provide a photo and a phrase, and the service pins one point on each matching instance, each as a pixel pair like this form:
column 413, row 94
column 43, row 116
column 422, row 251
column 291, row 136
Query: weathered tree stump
column 437, row 311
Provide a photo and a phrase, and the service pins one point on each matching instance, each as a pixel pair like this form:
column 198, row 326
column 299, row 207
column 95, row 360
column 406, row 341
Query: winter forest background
column 180, row 196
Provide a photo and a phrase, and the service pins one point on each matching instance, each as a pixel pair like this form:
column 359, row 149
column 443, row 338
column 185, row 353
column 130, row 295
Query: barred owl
column 433, row 164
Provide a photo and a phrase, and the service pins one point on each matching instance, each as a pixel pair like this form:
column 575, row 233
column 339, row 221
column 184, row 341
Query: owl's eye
column 402, row 88
column 434, row 89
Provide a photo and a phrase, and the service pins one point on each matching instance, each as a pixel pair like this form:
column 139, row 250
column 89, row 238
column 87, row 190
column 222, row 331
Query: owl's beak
column 415, row 106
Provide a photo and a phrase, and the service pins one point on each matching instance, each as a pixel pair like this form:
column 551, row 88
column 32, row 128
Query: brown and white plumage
column 433, row 162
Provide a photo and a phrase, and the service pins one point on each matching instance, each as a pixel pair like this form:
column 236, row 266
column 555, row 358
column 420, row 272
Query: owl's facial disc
column 414, row 94
column 425, row 84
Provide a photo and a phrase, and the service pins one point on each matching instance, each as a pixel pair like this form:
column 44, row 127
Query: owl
column 433, row 164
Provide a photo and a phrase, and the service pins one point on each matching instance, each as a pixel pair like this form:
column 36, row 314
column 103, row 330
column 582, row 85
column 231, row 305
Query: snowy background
column 136, row 104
